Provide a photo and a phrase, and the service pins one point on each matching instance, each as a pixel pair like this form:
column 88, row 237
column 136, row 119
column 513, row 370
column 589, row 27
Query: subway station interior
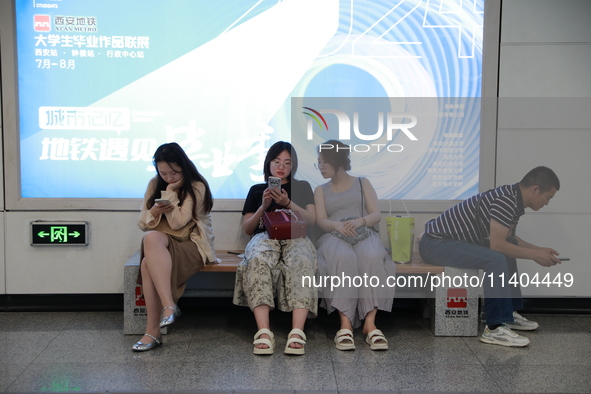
column 469, row 95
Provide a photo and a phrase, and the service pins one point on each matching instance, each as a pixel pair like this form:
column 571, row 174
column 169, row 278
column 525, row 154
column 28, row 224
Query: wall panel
column 538, row 21
column 96, row 268
column 561, row 232
column 565, row 151
column 544, row 119
column 2, row 256
column 560, row 70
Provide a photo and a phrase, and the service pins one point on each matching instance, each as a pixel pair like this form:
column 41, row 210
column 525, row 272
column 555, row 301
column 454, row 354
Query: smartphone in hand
column 162, row 201
column 274, row 183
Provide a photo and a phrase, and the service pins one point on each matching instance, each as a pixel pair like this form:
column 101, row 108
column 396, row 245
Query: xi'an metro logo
column 457, row 298
column 393, row 121
column 42, row 23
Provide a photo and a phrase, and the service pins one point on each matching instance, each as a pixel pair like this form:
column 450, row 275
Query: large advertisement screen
column 102, row 84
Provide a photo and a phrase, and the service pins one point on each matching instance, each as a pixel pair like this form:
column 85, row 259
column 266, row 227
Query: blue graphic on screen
column 103, row 84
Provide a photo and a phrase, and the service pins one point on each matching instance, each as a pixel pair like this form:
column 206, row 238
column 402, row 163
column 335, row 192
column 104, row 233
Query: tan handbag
column 181, row 235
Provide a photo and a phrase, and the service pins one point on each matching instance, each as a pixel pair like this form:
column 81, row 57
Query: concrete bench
column 453, row 309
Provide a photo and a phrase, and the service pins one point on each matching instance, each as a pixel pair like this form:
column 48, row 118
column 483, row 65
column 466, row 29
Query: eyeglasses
column 318, row 165
column 278, row 163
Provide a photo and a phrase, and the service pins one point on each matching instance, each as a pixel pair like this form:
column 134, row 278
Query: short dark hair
column 336, row 153
column 172, row 153
column 274, row 151
column 543, row 177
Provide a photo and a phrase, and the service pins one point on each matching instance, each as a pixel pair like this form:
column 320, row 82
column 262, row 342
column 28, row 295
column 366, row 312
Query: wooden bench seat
column 220, row 283
column 230, row 259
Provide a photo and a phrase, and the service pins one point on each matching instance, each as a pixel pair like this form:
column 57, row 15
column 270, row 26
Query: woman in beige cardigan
column 179, row 239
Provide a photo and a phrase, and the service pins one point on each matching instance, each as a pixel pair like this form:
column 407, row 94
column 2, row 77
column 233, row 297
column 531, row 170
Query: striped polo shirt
column 504, row 204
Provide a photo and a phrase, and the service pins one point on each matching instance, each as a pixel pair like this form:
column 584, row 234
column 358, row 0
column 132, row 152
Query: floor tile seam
column 330, row 342
column 45, row 348
column 493, row 379
column 186, row 353
column 586, row 329
column 393, row 363
column 538, row 365
column 334, row 375
column 16, row 379
column 74, row 317
column 406, row 362
column 439, row 363
column 464, row 339
column 183, row 365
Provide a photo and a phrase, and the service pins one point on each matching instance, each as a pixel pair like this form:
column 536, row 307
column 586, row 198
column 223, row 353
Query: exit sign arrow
column 59, row 233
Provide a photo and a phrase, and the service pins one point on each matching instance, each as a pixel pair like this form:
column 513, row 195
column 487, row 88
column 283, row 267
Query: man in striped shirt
column 479, row 233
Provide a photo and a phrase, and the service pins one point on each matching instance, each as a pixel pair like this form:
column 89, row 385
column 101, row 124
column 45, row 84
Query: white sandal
column 376, row 340
column 344, row 340
column 293, row 350
column 263, row 341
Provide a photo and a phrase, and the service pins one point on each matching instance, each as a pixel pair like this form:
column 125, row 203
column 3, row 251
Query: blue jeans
column 500, row 297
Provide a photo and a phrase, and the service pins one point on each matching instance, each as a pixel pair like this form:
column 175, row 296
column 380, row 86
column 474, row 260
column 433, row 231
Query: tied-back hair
column 172, row 153
column 274, row 151
column 336, row 154
column 543, row 177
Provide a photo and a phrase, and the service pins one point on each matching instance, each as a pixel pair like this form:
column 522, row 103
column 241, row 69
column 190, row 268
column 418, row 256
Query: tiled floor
column 211, row 350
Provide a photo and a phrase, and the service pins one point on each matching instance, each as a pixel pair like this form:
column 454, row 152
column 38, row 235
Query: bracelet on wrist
column 287, row 205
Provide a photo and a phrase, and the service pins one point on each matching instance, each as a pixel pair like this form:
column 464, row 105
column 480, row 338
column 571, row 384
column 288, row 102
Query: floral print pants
column 275, row 269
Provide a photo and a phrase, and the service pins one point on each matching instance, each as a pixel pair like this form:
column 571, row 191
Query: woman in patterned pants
column 274, row 268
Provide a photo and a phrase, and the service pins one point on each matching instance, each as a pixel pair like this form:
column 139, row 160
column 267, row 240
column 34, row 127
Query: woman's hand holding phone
column 161, row 206
column 275, row 191
column 279, row 196
column 267, row 198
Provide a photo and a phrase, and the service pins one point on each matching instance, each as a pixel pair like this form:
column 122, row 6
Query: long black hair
column 274, row 151
column 172, row 153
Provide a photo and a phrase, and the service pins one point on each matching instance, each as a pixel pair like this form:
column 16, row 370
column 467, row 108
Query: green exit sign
column 59, row 233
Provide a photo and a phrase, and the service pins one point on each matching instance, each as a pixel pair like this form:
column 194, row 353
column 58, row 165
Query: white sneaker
column 503, row 336
column 521, row 323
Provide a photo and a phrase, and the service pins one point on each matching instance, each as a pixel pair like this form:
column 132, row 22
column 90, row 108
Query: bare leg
column 156, row 269
column 370, row 323
column 298, row 320
column 261, row 315
column 346, row 324
column 153, row 305
column 157, row 259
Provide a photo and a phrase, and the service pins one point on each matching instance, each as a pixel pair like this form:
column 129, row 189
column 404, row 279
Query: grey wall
column 544, row 118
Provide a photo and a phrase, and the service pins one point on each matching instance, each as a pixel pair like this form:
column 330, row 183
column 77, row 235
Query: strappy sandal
column 293, row 350
column 169, row 320
column 144, row 347
column 344, row 339
column 376, row 340
column 263, row 341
